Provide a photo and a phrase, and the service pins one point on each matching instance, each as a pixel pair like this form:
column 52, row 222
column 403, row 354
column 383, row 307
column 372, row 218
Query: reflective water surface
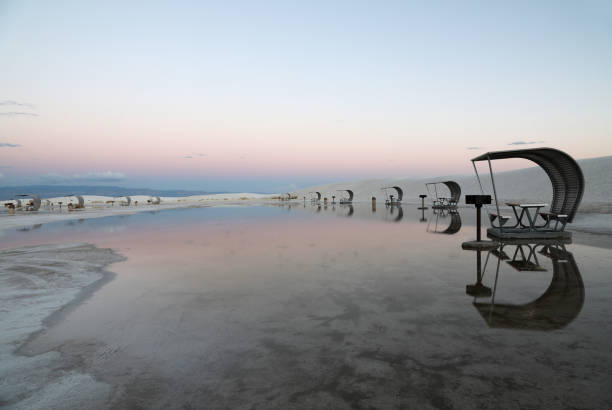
column 341, row 306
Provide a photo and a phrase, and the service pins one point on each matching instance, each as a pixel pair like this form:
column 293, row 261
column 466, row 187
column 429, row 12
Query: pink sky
column 285, row 96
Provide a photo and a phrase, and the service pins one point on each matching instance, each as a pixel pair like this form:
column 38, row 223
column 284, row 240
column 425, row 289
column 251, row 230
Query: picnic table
column 528, row 211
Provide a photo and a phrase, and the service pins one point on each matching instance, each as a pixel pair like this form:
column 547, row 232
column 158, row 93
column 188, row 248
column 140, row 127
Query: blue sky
column 282, row 94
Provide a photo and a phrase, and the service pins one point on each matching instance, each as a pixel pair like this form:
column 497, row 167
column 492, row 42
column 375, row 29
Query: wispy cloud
column 197, row 154
column 13, row 103
column 474, row 148
column 9, row 145
column 525, row 142
column 15, row 113
column 18, row 104
column 105, row 176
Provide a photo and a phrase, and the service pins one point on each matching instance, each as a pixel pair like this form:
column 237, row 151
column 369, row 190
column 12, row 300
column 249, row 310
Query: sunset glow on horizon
column 245, row 96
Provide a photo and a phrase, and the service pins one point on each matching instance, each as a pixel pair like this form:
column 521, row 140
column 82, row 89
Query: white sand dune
column 99, row 206
column 529, row 184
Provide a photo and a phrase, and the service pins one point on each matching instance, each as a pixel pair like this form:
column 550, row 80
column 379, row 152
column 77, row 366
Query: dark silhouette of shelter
column 318, row 196
column 565, row 176
column 346, row 200
column 34, row 203
column 558, row 306
column 80, row 200
column 451, row 229
column 396, row 212
column 444, row 202
column 394, row 200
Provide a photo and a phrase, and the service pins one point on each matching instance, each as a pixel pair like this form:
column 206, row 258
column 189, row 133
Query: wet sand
column 40, row 285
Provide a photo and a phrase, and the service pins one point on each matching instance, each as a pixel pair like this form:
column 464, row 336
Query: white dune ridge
column 524, row 185
column 96, row 206
column 528, row 184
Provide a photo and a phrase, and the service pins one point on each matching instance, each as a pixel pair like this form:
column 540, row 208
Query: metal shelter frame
column 565, row 176
column 453, row 187
column 346, row 200
column 35, row 201
column 390, row 200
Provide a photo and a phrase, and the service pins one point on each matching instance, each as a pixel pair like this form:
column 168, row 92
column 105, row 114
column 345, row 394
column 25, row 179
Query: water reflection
column 554, row 309
column 260, row 299
column 438, row 222
column 422, row 218
column 350, row 208
column 28, row 229
column 394, row 212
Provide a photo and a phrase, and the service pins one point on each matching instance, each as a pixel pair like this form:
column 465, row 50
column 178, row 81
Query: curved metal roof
column 128, row 200
column 455, row 190
column 557, row 307
column 350, row 198
column 564, row 172
column 400, row 193
column 453, row 187
column 80, row 200
column 35, row 200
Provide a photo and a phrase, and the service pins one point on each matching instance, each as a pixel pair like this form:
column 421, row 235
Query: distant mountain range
column 50, row 191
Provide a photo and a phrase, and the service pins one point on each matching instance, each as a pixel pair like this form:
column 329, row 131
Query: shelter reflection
column 394, row 213
column 438, row 222
column 557, row 307
column 350, row 209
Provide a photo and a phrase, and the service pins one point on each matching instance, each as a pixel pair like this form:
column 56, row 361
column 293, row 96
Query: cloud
column 525, row 142
column 1, row 175
column 18, row 104
column 8, row 145
column 188, row 156
column 14, row 103
column 14, row 113
column 106, row 176
column 474, row 148
column 101, row 176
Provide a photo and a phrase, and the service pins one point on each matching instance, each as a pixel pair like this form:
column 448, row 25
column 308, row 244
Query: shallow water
column 276, row 307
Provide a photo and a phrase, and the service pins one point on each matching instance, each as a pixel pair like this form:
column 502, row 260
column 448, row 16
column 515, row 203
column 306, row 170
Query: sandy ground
column 38, row 285
column 523, row 185
column 98, row 207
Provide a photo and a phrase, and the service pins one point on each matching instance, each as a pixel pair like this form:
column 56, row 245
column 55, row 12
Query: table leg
column 523, row 211
column 531, row 221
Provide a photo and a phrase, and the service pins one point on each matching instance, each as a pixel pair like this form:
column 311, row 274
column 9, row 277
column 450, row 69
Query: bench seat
column 502, row 218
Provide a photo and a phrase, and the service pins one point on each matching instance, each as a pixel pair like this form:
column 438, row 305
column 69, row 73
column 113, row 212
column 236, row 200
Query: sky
column 267, row 96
